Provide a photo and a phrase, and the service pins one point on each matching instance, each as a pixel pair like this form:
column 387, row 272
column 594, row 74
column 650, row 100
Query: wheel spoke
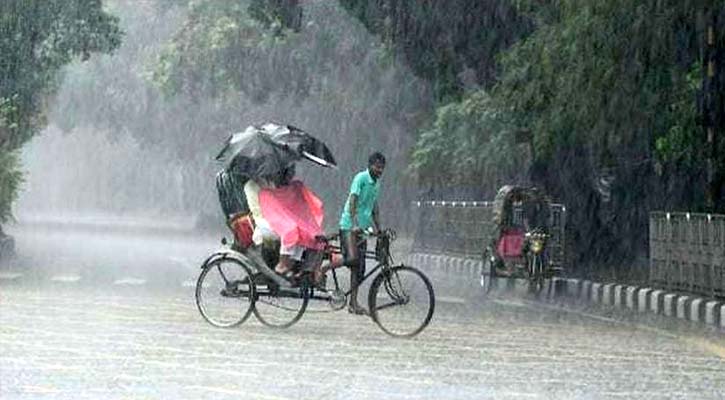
column 387, row 305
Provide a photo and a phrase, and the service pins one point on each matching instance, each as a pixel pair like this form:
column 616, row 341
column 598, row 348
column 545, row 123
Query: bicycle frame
column 332, row 249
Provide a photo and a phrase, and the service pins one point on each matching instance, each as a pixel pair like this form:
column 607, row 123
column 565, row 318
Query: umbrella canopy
column 254, row 154
column 301, row 143
column 267, row 150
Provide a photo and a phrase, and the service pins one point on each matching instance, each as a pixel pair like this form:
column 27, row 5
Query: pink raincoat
column 294, row 213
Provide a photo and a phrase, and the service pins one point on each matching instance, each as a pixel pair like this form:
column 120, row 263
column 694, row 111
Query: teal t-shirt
column 366, row 189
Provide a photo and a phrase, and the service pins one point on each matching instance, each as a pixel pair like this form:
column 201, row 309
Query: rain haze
column 277, row 199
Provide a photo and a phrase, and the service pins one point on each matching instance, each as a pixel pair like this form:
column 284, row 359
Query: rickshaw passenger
column 295, row 213
column 263, row 232
column 289, row 213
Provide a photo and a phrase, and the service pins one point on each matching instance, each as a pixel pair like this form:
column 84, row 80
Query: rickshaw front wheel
column 536, row 274
column 401, row 301
column 488, row 272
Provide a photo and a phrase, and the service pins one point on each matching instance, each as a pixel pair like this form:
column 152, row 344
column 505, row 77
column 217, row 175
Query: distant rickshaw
column 519, row 245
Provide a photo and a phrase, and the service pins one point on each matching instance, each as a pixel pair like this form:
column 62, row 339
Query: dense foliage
column 38, row 37
column 451, row 43
column 469, row 150
column 221, row 50
column 608, row 92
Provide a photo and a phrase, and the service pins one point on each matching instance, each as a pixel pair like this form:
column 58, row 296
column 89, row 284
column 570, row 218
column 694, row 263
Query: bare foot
column 283, row 266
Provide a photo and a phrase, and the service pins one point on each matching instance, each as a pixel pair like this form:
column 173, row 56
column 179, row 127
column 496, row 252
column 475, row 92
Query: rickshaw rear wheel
column 225, row 292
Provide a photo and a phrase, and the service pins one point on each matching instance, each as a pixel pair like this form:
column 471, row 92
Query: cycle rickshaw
column 237, row 280
column 520, row 239
column 234, row 284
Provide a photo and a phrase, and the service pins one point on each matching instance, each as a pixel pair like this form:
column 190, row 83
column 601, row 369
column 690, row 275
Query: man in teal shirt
column 360, row 214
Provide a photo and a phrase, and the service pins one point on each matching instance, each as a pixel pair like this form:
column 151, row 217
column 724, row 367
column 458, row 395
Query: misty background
column 116, row 144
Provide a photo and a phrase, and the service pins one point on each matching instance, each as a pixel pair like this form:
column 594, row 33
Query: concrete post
column 643, row 299
column 681, row 310
column 670, row 305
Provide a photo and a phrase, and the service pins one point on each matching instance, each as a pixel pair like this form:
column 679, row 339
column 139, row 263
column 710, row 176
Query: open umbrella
column 253, row 153
column 264, row 151
column 301, row 143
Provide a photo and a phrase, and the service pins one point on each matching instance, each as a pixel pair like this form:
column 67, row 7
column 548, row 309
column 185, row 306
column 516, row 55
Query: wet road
column 105, row 314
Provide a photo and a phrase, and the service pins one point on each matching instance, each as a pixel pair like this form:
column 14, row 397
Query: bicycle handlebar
column 389, row 233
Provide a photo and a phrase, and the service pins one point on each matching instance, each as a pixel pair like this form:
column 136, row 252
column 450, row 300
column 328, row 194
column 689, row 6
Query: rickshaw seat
column 510, row 243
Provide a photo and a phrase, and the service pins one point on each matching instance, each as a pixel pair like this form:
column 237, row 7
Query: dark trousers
column 354, row 256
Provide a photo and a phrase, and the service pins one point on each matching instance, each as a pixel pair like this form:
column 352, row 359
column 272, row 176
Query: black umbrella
column 301, row 143
column 267, row 150
column 253, row 153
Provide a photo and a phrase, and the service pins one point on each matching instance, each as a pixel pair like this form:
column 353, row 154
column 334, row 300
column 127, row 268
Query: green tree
column 38, row 37
column 470, row 146
column 452, row 43
column 443, row 40
column 222, row 49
